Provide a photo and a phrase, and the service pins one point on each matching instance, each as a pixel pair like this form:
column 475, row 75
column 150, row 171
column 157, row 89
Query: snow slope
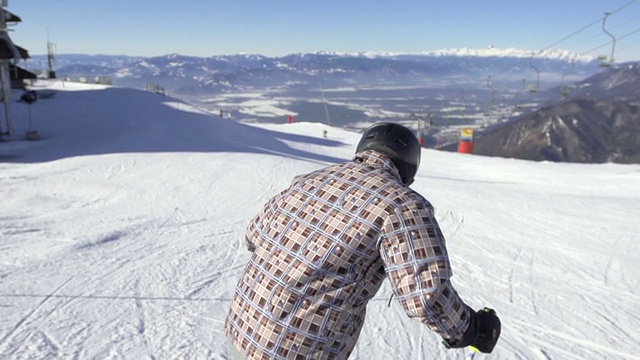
column 121, row 235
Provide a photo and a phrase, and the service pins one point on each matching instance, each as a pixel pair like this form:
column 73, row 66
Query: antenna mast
column 51, row 49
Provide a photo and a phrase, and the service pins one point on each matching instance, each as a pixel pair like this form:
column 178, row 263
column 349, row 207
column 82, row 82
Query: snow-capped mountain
column 460, row 86
column 188, row 74
column 547, row 54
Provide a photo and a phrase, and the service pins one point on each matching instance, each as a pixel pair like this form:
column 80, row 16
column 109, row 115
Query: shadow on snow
column 118, row 120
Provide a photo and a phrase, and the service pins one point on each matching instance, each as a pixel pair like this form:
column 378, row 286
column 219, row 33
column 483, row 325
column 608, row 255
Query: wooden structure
column 10, row 54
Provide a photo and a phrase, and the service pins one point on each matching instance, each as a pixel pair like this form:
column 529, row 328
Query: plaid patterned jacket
column 321, row 250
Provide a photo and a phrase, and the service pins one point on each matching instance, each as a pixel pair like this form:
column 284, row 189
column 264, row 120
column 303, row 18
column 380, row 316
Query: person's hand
column 488, row 330
column 483, row 332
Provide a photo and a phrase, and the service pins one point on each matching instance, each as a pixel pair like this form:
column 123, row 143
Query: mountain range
column 188, row 75
column 598, row 122
column 595, row 119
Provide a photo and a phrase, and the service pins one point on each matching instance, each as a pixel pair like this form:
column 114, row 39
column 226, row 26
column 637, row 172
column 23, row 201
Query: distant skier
column 322, row 248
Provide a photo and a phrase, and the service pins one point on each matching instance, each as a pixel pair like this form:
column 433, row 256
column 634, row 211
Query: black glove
column 483, row 332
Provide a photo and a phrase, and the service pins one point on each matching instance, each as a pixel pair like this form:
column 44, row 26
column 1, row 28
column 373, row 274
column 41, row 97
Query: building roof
column 6, row 53
column 18, row 73
column 10, row 17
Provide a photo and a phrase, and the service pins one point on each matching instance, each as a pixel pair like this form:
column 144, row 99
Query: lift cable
column 609, row 42
column 612, row 28
column 535, row 88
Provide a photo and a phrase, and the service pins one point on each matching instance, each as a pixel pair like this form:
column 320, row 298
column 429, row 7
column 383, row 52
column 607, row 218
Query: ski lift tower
column 9, row 55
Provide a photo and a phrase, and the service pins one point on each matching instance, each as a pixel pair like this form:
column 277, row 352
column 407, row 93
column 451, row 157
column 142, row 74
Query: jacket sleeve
column 414, row 252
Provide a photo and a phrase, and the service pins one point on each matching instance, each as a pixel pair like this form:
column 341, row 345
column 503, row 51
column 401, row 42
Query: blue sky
column 278, row 27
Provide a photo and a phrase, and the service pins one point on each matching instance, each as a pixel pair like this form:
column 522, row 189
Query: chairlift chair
column 565, row 92
column 603, row 61
column 602, row 58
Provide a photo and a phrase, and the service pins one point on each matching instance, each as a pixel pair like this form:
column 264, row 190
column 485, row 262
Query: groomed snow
column 121, row 235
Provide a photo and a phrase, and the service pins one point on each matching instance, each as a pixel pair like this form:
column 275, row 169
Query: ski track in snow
column 32, row 316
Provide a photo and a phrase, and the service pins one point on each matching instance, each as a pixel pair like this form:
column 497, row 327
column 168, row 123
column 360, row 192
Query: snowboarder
column 322, row 248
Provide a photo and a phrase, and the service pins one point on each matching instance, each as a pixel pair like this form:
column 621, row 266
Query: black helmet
column 396, row 142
